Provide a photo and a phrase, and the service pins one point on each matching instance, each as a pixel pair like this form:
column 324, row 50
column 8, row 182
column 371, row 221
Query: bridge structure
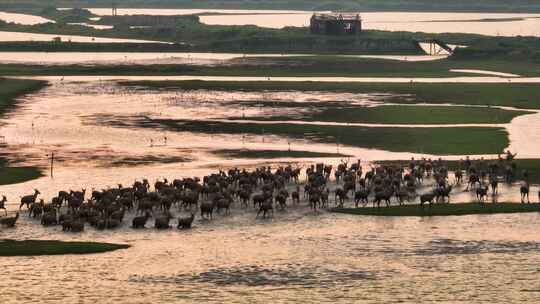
column 436, row 47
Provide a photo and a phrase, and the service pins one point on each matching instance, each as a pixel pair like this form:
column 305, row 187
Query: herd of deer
column 265, row 188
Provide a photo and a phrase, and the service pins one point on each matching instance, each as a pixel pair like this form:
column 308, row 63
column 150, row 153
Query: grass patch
column 16, row 175
column 328, row 65
column 269, row 154
column 37, row 248
column 439, row 141
column 400, row 115
column 522, row 95
column 300, row 66
column 442, row 209
column 11, row 89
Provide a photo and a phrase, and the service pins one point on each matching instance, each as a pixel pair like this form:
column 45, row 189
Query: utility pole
column 52, row 164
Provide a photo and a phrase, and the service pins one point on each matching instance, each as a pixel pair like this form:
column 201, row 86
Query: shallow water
column 23, row 18
column 164, row 58
column 172, row 12
column 72, row 120
column 430, row 22
column 91, row 127
column 96, row 26
column 492, row 73
column 297, row 256
column 22, row 36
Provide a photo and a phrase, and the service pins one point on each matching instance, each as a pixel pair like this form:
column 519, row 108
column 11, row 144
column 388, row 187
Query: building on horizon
column 336, row 24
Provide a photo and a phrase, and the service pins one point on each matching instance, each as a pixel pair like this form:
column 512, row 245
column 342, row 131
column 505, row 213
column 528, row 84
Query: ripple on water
column 449, row 246
column 256, row 275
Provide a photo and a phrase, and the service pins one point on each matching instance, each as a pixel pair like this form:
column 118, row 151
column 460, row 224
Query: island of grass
column 270, row 154
column 10, row 90
column 392, row 114
column 442, row 209
column 438, row 141
column 519, row 95
column 316, row 66
column 14, row 175
column 39, row 247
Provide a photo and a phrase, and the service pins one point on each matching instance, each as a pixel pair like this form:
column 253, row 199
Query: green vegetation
column 396, row 114
column 199, row 37
column 520, row 95
column 316, row 66
column 101, row 70
column 10, row 89
column 533, row 168
column 118, row 47
column 66, row 16
column 269, row 154
column 509, row 49
column 192, row 35
column 14, row 175
column 188, row 31
column 361, row 5
column 37, row 247
column 443, row 141
column 483, row 20
column 442, row 209
column 370, row 67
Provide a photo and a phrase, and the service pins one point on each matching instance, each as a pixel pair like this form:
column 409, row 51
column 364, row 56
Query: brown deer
column 29, row 199
column 3, row 204
column 9, row 221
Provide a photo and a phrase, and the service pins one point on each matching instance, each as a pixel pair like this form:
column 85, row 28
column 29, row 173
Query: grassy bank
column 442, row 209
column 316, row 66
column 328, row 65
column 276, row 68
column 498, row 94
column 11, row 89
column 269, row 154
column 87, row 47
column 440, row 141
column 395, row 115
column 198, row 37
column 37, row 248
column 15, row 175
